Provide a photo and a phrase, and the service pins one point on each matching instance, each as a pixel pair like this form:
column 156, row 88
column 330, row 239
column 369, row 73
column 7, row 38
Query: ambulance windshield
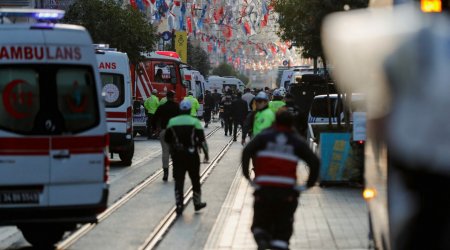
column 48, row 99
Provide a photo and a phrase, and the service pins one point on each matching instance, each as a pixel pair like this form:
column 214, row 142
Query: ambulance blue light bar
column 38, row 14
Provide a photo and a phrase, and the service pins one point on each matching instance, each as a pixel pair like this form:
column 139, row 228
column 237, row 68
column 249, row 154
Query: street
column 330, row 218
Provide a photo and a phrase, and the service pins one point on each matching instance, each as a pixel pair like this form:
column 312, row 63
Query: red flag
column 218, row 14
column 247, row 28
column 146, row 2
column 273, row 49
column 224, row 49
column 227, row 31
column 210, row 47
column 189, row 24
column 133, row 3
column 265, row 20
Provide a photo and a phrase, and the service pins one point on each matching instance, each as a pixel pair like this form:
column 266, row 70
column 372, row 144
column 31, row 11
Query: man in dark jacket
column 238, row 113
column 275, row 153
column 208, row 107
column 227, row 118
column 162, row 116
column 185, row 136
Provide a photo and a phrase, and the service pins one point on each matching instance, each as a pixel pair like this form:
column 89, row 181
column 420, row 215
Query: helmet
column 190, row 92
column 262, row 96
column 185, row 105
column 155, row 91
column 277, row 93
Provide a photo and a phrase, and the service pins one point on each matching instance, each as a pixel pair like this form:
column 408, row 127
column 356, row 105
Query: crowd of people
column 267, row 117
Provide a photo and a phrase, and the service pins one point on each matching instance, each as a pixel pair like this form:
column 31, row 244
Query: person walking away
column 151, row 105
column 293, row 109
column 248, row 97
column 275, row 153
column 194, row 102
column 262, row 118
column 277, row 101
column 238, row 113
column 165, row 112
column 217, row 99
column 208, row 107
column 227, row 118
column 185, row 136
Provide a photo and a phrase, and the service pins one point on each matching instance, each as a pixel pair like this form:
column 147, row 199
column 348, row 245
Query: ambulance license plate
column 19, row 197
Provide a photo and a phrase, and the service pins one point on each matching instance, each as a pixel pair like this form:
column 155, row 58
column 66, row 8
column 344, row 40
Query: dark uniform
column 239, row 109
column 275, row 153
column 208, row 108
column 185, row 135
column 227, row 118
column 163, row 114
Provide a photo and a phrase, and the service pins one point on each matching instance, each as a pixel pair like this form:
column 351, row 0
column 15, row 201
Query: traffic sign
column 166, row 35
column 285, row 63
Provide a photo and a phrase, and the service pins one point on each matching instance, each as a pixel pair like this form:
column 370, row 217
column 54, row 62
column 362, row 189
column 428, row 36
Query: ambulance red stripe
column 24, row 143
column 76, row 143
column 116, row 115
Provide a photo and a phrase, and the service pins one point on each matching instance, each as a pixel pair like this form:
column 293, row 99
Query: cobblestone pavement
column 326, row 218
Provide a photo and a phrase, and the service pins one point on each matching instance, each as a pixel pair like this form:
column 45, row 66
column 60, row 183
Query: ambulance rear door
column 24, row 152
column 79, row 164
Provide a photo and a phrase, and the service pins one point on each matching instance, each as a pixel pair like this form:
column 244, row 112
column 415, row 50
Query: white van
column 197, row 86
column 114, row 71
column 319, row 108
column 53, row 139
column 222, row 84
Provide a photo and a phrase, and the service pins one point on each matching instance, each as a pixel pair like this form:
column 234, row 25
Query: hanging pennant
column 189, row 24
column 133, row 4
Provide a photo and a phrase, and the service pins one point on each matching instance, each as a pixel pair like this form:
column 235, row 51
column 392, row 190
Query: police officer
column 261, row 119
column 227, row 114
column 277, row 101
column 276, row 197
column 194, row 103
column 239, row 113
column 165, row 112
column 208, row 107
column 185, row 135
column 151, row 105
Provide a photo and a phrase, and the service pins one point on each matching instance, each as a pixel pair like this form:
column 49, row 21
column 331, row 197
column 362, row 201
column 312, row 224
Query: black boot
column 166, row 174
column 198, row 204
column 179, row 203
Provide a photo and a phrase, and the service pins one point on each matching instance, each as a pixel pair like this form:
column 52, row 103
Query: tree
column 198, row 58
column 126, row 28
column 225, row 69
column 301, row 20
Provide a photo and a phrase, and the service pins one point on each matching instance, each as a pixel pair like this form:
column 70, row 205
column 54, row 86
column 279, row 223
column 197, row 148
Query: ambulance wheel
column 43, row 236
column 127, row 156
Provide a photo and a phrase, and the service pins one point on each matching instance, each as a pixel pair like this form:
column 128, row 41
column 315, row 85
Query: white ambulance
column 53, row 138
column 114, row 70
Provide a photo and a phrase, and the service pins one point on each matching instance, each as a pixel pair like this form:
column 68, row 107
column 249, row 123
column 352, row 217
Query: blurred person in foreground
column 405, row 76
column 419, row 79
column 275, row 153
column 185, row 136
